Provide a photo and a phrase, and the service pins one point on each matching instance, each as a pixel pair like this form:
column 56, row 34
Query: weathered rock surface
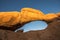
column 52, row 32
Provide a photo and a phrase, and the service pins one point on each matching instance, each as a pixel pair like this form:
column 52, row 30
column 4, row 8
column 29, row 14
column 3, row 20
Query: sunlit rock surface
column 8, row 19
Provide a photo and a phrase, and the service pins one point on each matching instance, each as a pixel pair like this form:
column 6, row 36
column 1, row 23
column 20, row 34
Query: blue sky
column 47, row 6
column 33, row 26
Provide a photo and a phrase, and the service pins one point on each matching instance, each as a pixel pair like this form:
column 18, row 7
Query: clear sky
column 47, row 6
column 33, row 26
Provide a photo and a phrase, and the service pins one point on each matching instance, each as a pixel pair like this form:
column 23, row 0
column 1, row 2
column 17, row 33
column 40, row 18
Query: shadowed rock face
column 52, row 32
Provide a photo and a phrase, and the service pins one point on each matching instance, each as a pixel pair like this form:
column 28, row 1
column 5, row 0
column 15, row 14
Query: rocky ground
column 52, row 32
